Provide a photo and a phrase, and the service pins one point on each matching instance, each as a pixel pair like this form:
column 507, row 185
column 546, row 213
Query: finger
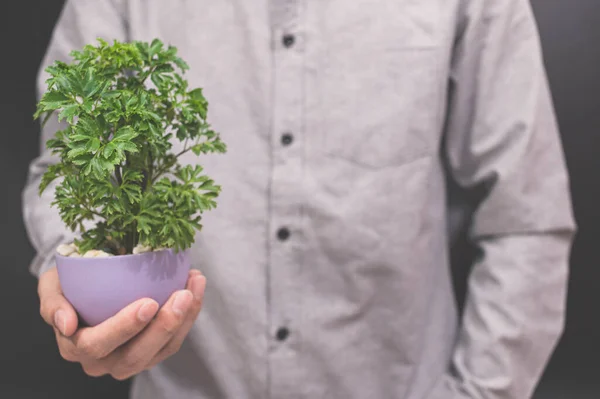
column 94, row 368
column 67, row 350
column 54, row 307
column 197, row 285
column 193, row 272
column 99, row 341
column 134, row 357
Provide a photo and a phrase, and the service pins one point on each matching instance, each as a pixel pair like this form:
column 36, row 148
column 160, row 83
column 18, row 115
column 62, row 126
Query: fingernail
column 197, row 287
column 182, row 302
column 147, row 311
column 195, row 272
column 60, row 321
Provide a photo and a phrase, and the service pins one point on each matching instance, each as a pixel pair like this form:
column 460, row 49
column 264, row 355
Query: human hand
column 137, row 338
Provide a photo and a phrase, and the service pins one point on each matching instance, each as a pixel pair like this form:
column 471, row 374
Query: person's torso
column 332, row 219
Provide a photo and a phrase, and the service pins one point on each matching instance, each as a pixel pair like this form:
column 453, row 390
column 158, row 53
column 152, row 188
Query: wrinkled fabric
column 412, row 120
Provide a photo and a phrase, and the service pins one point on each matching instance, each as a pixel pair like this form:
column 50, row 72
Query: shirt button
column 282, row 334
column 288, row 40
column 287, row 139
column 283, row 233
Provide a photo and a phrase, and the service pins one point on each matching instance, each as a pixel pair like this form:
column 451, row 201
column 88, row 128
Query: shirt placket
column 287, row 138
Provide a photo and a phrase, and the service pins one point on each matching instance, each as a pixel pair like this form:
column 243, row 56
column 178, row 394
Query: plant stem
column 130, row 240
column 93, row 212
column 114, row 246
column 150, row 72
column 118, row 174
column 133, row 235
column 182, row 152
column 114, row 181
column 148, row 174
column 151, row 165
column 163, row 169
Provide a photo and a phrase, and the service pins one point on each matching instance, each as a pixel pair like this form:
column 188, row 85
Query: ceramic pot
column 99, row 288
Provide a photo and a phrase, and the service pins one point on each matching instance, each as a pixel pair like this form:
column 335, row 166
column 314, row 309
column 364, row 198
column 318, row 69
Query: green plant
column 116, row 151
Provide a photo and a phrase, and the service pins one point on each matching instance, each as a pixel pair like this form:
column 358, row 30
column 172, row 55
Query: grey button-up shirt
column 388, row 104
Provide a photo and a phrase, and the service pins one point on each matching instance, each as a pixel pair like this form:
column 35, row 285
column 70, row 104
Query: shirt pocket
column 380, row 88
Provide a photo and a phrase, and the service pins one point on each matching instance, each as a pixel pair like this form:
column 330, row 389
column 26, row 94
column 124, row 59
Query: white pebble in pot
column 66, row 249
column 93, row 253
column 140, row 249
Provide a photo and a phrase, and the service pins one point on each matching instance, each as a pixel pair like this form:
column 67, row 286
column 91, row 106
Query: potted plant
column 129, row 116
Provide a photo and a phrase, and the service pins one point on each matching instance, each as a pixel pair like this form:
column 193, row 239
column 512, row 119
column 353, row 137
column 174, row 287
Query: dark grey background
column 30, row 366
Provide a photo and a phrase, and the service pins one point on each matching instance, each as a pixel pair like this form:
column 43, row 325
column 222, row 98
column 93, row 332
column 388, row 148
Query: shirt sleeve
column 81, row 22
column 503, row 148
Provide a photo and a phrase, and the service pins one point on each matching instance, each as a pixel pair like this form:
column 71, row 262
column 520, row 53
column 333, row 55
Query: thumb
column 54, row 307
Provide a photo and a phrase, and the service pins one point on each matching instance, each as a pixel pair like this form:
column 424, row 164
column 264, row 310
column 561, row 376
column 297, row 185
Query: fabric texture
column 389, row 104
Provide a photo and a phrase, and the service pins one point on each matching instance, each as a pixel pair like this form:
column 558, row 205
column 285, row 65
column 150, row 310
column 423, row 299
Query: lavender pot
column 99, row 288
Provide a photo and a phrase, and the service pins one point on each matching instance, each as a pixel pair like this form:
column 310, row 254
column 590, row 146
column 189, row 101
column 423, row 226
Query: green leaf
column 47, row 118
column 68, row 112
column 142, row 48
column 165, row 68
column 93, row 145
column 79, row 137
column 155, row 47
column 87, row 169
column 111, row 94
column 158, row 81
column 181, row 64
column 53, row 172
column 90, row 85
column 54, row 100
column 197, row 149
column 154, row 116
column 99, row 166
column 108, row 150
column 82, row 159
column 77, row 151
column 127, row 146
column 64, row 83
column 126, row 133
column 55, row 143
column 88, row 125
column 196, row 95
column 87, row 105
column 131, row 102
column 182, row 133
